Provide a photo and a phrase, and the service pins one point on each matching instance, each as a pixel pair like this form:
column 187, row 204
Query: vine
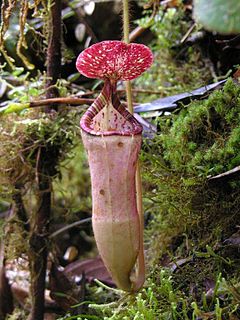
column 23, row 7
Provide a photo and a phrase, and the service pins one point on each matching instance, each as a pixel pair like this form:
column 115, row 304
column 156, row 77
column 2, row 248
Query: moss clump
column 204, row 138
column 192, row 219
column 23, row 137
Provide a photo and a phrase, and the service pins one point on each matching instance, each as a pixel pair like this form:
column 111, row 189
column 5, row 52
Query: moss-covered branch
column 46, row 162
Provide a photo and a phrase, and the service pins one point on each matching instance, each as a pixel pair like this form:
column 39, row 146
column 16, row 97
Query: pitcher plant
column 112, row 138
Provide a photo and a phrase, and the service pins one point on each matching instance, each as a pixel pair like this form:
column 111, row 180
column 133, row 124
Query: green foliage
column 190, row 219
column 22, row 136
column 177, row 67
column 14, row 108
column 162, row 299
column 17, row 33
column 203, row 139
column 218, row 15
column 18, row 314
column 157, row 301
column 72, row 187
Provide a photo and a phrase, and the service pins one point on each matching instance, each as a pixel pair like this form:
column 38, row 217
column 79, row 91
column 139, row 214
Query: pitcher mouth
column 107, row 115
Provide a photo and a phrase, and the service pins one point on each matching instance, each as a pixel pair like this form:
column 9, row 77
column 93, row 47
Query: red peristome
column 115, row 60
column 107, row 116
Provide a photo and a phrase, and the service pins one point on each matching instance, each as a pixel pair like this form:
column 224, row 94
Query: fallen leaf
column 50, row 316
column 62, row 289
column 21, row 295
column 234, row 240
column 171, row 103
column 91, row 268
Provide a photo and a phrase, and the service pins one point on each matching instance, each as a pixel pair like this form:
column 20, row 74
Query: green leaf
column 14, row 107
column 18, row 71
column 73, row 77
column 222, row 16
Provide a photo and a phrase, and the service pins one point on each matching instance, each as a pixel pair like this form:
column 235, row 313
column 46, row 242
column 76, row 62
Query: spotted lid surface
column 114, row 60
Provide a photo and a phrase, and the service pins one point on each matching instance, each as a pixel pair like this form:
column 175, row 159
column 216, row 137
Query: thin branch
column 59, row 101
column 137, row 32
column 226, row 176
column 72, row 225
column 54, row 49
column 79, row 13
column 126, row 21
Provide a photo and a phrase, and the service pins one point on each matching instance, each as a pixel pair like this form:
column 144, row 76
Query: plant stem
column 140, row 272
column 54, row 49
column 20, row 208
column 61, row 100
column 39, row 238
column 126, row 39
column 69, row 226
column 126, row 21
column 39, row 247
column 129, row 96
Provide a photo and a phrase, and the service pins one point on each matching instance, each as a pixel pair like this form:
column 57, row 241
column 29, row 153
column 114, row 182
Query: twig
column 137, row 32
column 144, row 91
column 187, row 34
column 54, row 49
column 88, row 28
column 72, row 225
column 59, row 101
column 226, row 176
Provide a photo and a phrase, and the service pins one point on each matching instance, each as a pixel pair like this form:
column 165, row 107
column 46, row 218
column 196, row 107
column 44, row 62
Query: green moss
column 20, row 140
column 204, row 139
column 177, row 67
column 23, row 137
column 72, row 189
column 190, row 220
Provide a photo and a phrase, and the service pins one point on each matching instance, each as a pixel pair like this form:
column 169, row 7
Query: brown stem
column 54, row 50
column 21, row 211
column 6, row 298
column 39, row 234
column 137, row 32
column 69, row 226
column 39, row 248
column 62, row 100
